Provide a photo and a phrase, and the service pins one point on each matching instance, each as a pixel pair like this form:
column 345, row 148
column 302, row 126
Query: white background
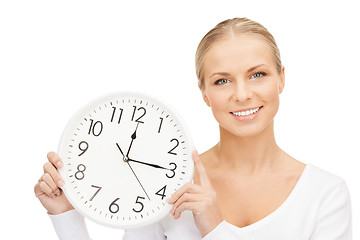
column 55, row 56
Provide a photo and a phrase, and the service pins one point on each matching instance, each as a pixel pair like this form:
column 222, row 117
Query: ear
column 206, row 99
column 282, row 80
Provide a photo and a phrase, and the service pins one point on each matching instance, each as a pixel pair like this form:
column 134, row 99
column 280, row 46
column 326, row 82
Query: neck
column 248, row 155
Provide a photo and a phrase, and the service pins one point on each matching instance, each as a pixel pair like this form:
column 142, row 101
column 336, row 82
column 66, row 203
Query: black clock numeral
column 96, row 131
column 172, row 170
column 177, row 144
column 114, row 205
column 141, row 204
column 161, row 121
column 99, row 188
column 138, row 119
column 83, row 149
column 79, row 175
column 113, row 114
column 161, row 192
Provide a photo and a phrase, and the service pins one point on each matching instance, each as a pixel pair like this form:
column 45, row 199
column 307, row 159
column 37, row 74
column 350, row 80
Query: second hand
column 138, row 181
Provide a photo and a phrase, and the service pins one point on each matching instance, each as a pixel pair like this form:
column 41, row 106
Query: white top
column 318, row 208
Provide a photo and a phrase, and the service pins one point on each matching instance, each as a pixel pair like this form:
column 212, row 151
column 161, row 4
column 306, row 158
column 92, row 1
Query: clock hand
column 149, row 164
column 124, row 158
column 133, row 136
column 127, row 161
column 138, row 180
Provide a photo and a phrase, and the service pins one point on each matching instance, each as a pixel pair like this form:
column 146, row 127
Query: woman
column 246, row 186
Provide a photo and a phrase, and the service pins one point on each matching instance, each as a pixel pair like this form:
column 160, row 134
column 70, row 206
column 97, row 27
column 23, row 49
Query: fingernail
column 168, row 200
column 194, row 153
column 60, row 183
column 57, row 192
column 59, row 164
column 52, row 195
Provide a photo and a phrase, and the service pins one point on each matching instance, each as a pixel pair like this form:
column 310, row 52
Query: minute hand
column 149, row 164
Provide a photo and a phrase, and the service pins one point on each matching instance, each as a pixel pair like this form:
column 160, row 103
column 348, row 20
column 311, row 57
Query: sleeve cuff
column 221, row 231
column 70, row 225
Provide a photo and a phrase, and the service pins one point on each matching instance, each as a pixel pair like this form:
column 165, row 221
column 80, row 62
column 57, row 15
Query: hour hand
column 133, row 136
column 124, row 157
column 148, row 164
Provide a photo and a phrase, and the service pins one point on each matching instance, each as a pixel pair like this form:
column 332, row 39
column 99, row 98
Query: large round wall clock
column 125, row 154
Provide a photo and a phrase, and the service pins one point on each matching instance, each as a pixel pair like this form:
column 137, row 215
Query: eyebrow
column 228, row 74
column 255, row 67
column 220, row 73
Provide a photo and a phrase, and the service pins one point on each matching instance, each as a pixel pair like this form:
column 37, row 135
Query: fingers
column 196, row 201
column 188, row 201
column 42, row 188
column 189, row 197
column 204, row 179
column 187, row 188
column 55, row 159
column 50, row 182
column 54, row 179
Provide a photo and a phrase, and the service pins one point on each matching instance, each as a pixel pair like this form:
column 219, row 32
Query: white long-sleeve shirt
column 318, row 208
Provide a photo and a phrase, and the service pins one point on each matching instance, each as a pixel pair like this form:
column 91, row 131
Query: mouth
column 247, row 112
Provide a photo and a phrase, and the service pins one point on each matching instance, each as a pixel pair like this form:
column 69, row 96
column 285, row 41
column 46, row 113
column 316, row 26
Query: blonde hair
column 229, row 28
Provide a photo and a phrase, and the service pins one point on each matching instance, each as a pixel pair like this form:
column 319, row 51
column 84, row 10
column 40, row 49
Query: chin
column 241, row 132
column 248, row 130
column 247, row 133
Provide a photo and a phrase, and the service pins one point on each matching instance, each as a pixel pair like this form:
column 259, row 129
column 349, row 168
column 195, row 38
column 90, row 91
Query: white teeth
column 247, row 112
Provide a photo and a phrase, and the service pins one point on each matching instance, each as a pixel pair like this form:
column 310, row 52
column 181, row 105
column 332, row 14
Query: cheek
column 217, row 100
column 219, row 103
column 270, row 94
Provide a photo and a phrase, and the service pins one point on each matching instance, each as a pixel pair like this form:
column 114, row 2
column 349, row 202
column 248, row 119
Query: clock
column 124, row 154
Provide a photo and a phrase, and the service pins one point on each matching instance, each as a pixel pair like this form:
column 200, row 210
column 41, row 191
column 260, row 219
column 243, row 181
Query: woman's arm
column 70, row 226
column 68, row 223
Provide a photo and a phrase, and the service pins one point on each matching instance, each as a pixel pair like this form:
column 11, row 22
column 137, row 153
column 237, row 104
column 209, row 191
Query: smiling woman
column 252, row 81
column 246, row 186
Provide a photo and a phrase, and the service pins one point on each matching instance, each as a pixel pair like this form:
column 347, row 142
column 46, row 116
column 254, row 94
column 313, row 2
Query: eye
column 221, row 81
column 258, row 74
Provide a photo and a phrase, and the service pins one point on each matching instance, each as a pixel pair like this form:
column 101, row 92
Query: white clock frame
column 67, row 140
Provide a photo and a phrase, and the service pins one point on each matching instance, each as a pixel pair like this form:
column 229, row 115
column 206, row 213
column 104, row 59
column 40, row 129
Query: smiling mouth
column 247, row 112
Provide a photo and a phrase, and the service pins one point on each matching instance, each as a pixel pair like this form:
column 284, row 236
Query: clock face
column 124, row 155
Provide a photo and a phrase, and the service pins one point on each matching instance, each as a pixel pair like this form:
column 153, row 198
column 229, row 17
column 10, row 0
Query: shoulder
column 321, row 185
column 323, row 177
column 323, row 197
column 330, row 201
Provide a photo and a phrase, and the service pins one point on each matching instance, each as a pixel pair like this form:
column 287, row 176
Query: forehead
column 238, row 53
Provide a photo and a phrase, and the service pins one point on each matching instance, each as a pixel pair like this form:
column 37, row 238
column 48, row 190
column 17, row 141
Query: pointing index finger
column 204, row 179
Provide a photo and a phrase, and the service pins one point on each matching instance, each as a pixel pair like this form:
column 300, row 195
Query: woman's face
column 240, row 74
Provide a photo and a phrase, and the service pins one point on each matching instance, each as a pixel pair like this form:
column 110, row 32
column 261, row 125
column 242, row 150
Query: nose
column 241, row 91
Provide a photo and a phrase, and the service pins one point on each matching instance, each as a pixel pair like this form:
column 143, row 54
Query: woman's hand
column 48, row 191
column 200, row 199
